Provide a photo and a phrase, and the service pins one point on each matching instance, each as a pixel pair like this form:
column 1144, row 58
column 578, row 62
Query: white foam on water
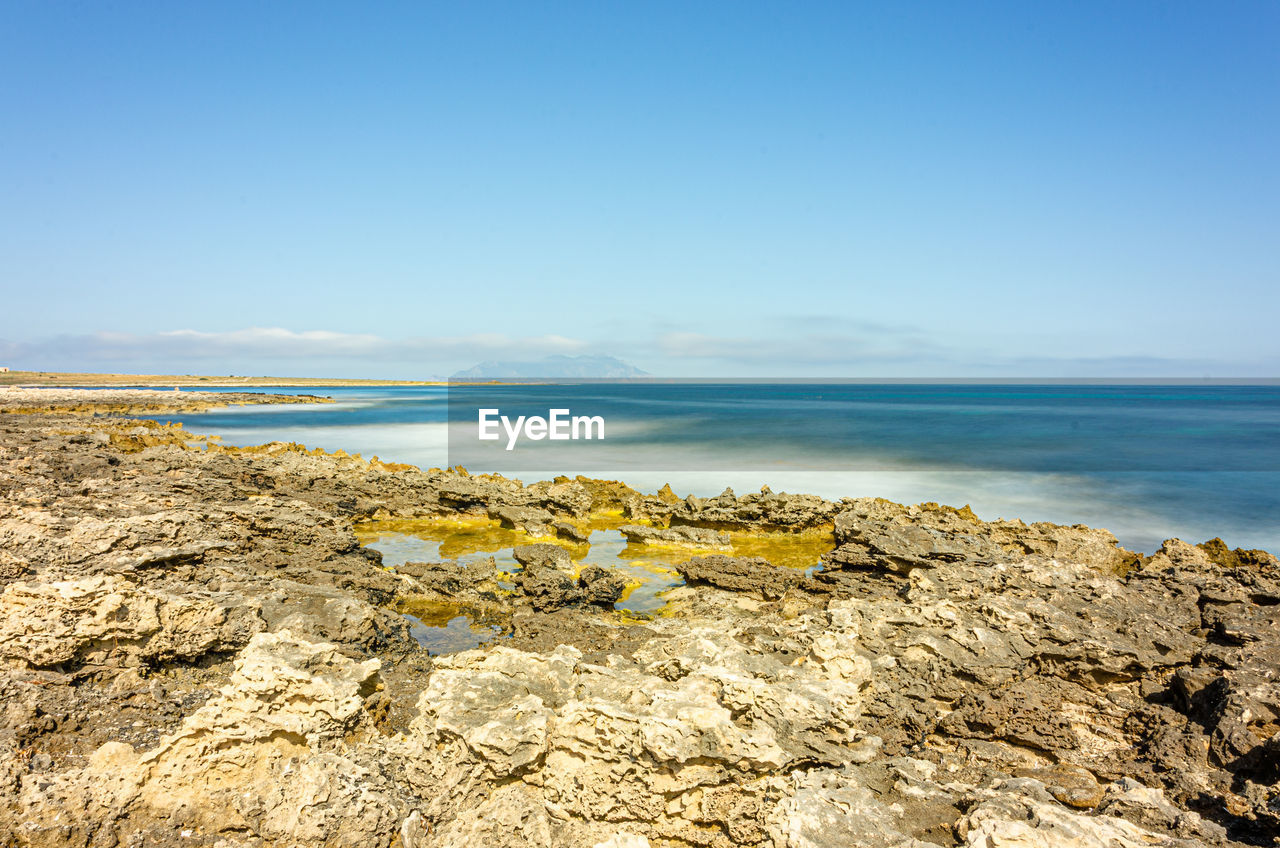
column 425, row 445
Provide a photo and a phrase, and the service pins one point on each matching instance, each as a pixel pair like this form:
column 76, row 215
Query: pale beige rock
column 701, row 708
column 1011, row 821
column 831, row 808
column 260, row 758
column 105, row 618
column 624, row 840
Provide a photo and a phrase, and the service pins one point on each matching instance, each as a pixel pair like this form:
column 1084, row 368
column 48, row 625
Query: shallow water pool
column 650, row 570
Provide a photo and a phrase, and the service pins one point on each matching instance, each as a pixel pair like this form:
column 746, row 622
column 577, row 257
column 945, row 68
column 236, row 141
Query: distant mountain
column 553, row 367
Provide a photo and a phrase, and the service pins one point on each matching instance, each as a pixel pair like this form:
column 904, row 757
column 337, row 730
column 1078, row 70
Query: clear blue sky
column 762, row 189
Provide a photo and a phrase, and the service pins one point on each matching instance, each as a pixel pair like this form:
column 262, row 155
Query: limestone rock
column 253, row 760
column 549, row 588
column 543, row 555
column 703, row 705
column 740, row 574
column 1018, row 821
column 531, row 520
column 106, row 619
column 572, row 532
column 687, row 536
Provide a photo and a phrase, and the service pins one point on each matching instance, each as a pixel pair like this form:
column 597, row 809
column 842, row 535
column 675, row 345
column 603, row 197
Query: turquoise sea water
column 1146, row 462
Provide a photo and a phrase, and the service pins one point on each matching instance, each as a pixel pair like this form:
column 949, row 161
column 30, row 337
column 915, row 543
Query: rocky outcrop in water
column 694, row 537
column 547, row 588
column 755, row 575
column 762, row 510
column 196, row 651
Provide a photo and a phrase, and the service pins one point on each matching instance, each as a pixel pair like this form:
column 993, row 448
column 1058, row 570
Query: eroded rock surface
column 696, row 537
column 741, row 574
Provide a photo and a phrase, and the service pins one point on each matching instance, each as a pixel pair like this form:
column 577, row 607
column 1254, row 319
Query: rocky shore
column 195, row 650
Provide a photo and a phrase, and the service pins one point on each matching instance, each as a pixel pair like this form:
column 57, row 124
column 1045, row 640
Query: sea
column 1147, row 462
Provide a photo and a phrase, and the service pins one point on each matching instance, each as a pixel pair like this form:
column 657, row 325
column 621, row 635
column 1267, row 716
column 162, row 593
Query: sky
column 700, row 189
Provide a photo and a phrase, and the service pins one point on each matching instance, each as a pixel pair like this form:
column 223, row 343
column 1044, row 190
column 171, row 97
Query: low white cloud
column 254, row 349
column 276, row 342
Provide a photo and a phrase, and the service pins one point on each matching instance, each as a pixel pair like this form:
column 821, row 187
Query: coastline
column 175, row 610
column 25, row 400
column 95, row 379
column 89, row 379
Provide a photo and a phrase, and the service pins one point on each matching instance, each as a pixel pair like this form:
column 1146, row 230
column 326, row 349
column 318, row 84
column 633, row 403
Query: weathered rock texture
column 195, row 651
column 695, row 537
column 755, row 575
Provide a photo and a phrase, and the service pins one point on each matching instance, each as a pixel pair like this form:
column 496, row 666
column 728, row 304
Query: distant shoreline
column 67, row 379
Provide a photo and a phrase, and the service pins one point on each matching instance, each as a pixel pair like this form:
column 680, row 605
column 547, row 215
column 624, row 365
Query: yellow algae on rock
column 650, row 570
column 458, row 535
column 789, row 550
column 667, row 495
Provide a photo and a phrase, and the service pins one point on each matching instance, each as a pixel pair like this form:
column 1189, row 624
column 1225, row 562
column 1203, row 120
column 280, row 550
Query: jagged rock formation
column 195, row 650
column 762, row 510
